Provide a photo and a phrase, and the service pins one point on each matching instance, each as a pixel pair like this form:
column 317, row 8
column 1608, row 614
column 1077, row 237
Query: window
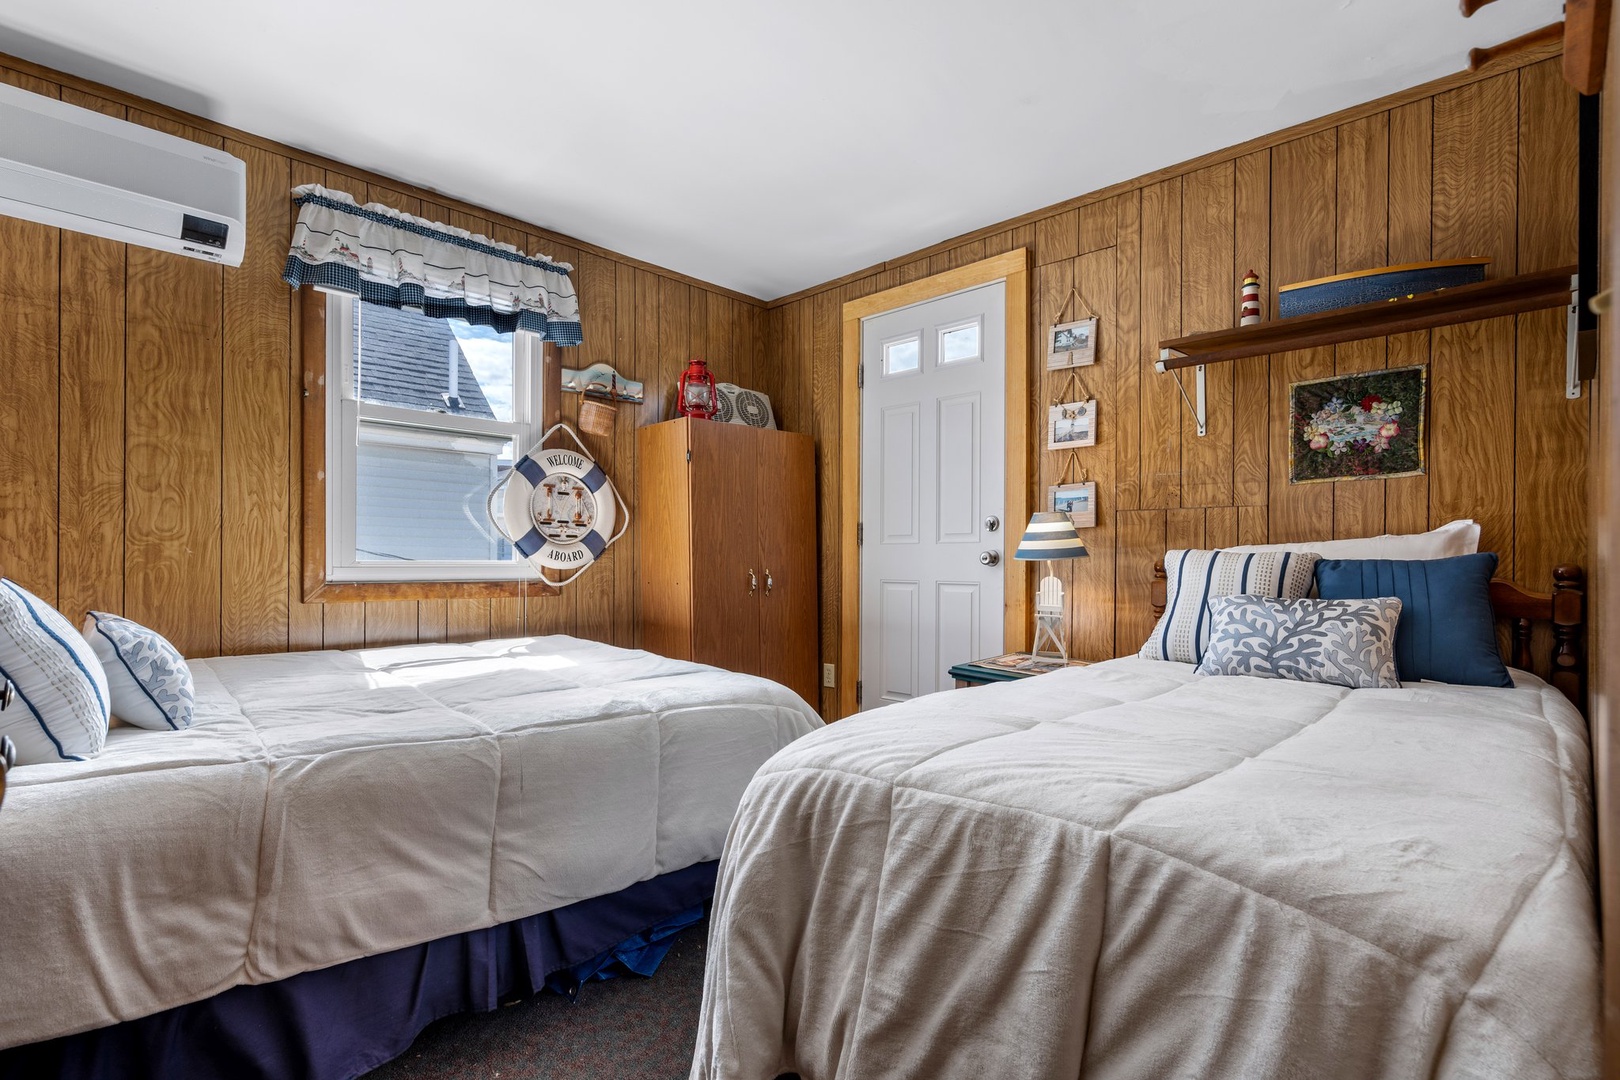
column 959, row 343
column 424, row 417
column 902, row 356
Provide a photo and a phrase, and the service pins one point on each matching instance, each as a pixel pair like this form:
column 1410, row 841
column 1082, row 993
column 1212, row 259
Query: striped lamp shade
column 1050, row 536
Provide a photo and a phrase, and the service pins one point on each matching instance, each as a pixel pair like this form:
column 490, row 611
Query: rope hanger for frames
column 1074, row 294
column 1069, row 465
column 1071, row 384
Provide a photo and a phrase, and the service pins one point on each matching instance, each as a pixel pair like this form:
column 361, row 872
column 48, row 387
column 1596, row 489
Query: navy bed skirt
column 341, row 1021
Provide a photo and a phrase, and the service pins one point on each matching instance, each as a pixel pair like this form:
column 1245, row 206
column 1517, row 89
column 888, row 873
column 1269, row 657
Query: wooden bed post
column 1519, row 630
column 8, row 752
column 1568, row 613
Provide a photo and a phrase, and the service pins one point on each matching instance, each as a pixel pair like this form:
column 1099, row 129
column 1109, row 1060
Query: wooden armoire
column 727, row 515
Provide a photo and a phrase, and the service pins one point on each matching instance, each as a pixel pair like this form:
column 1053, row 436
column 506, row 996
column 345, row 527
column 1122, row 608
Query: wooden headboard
column 1564, row 608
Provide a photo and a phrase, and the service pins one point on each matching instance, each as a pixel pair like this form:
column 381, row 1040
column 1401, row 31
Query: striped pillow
column 1194, row 578
column 61, row 709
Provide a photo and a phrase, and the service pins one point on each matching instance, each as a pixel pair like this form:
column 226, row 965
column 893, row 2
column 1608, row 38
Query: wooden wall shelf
column 1462, row 303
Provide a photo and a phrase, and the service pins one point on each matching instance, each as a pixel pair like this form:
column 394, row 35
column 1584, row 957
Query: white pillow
column 1193, row 578
column 1452, row 538
column 149, row 680
column 60, row 713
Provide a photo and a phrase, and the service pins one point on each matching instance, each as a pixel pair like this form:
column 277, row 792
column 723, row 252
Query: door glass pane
column 900, row 357
column 959, row 343
column 410, row 361
column 421, row 494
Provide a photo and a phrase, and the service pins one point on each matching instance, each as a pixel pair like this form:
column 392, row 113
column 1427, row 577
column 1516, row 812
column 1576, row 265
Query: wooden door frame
column 1012, row 268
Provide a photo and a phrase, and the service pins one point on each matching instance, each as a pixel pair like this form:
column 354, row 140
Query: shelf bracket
column 1572, row 340
column 1199, row 410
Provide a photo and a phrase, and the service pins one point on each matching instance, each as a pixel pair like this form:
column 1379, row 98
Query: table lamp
column 1050, row 536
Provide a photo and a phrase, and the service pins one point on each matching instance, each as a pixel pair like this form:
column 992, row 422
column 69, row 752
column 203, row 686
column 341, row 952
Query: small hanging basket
column 599, row 408
column 597, row 413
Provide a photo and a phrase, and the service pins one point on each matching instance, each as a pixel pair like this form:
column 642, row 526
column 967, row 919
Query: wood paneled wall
column 150, row 430
column 149, row 424
column 1471, row 166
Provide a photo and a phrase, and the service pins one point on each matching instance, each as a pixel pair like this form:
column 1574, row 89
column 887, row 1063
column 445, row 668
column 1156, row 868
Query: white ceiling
column 766, row 145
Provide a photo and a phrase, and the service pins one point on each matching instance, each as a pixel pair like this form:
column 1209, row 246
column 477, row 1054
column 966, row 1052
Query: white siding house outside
column 422, row 496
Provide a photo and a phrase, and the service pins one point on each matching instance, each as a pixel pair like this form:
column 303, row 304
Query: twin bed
column 1130, row 870
column 326, row 809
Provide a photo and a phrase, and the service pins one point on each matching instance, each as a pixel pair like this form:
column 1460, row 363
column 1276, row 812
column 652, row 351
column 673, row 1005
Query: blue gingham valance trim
column 347, row 279
column 391, row 258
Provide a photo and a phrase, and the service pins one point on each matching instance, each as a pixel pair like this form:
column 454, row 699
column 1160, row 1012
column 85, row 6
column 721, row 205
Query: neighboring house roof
column 406, row 362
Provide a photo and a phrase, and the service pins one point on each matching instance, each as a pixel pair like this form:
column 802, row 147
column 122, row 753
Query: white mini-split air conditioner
column 76, row 169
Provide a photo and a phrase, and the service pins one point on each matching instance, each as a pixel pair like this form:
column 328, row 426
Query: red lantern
column 697, row 397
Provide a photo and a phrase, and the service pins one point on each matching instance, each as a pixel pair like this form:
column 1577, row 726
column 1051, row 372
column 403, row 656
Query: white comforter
column 1129, row 871
column 326, row 806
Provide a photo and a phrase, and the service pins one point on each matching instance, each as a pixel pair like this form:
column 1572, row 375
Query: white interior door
column 933, row 479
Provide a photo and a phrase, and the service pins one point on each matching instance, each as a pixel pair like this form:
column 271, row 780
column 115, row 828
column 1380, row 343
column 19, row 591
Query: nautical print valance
column 387, row 257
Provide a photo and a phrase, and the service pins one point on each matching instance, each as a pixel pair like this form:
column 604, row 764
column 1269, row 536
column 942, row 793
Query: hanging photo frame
column 1071, row 424
column 1079, row 501
column 1077, row 497
column 1072, row 344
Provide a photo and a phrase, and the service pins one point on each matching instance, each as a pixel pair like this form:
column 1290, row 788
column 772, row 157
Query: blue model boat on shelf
column 1381, row 283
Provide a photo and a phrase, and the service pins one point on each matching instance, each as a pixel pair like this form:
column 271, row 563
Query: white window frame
column 344, row 413
column 951, row 328
column 883, row 355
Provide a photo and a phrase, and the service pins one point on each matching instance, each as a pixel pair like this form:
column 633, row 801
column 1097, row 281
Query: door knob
column 990, row 558
column 753, row 583
column 992, row 523
column 768, row 581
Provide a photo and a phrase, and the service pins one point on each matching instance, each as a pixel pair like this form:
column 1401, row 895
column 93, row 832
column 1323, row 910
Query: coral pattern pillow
column 149, row 680
column 1339, row 642
column 1448, row 630
column 1194, row 578
column 61, row 709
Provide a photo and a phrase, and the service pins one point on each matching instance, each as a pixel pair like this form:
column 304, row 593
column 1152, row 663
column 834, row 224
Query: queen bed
column 1132, row 870
column 328, row 809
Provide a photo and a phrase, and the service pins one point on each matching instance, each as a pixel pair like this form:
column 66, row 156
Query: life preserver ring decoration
column 560, row 509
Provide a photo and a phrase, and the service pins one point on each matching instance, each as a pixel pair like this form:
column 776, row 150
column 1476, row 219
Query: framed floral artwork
column 1358, row 427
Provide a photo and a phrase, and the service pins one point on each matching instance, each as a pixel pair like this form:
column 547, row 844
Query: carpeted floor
column 635, row 1029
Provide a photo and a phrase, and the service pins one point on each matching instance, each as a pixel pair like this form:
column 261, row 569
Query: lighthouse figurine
column 1249, row 313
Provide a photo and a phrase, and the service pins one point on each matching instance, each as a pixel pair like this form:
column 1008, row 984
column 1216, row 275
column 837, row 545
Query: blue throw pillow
column 1447, row 632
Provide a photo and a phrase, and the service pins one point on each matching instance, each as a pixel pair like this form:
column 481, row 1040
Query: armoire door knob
column 768, row 581
column 753, row 583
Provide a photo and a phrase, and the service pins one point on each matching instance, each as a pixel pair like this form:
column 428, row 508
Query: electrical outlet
column 829, row 674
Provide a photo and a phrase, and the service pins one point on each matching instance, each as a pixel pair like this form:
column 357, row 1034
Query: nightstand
column 1006, row 668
